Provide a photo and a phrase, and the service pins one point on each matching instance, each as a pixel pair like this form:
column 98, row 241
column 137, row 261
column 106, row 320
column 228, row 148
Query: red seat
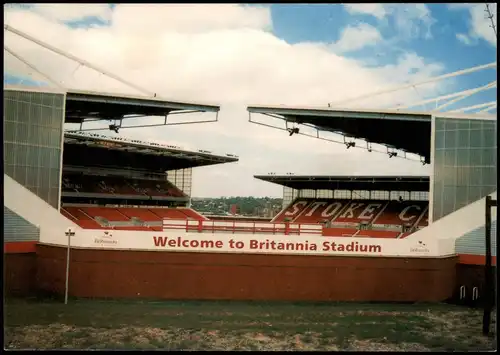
column 192, row 214
column 318, row 211
column 90, row 224
column 401, row 212
column 339, row 232
column 141, row 213
column 80, row 218
column 68, row 215
column 292, row 211
column 360, row 211
column 378, row 234
column 111, row 214
column 77, row 213
column 171, row 213
column 424, row 221
column 132, row 228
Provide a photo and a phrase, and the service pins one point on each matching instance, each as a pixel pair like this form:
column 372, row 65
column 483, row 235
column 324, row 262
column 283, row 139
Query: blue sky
column 324, row 23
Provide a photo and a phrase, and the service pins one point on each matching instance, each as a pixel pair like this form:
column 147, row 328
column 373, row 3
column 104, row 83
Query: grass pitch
column 217, row 325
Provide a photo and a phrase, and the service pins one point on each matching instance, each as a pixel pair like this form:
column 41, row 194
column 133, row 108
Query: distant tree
column 247, row 205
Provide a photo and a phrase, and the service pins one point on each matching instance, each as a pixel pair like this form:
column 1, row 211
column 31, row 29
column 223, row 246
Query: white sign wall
column 180, row 241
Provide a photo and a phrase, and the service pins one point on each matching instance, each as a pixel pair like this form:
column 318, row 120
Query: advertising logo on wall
column 105, row 239
column 420, row 247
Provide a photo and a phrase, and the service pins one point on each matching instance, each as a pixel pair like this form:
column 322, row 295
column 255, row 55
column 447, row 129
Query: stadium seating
column 110, row 214
column 377, row 234
column 320, row 210
column 192, row 214
column 132, row 228
column 381, row 219
column 80, row 218
column 424, row 220
column 342, row 218
column 85, row 183
column 359, row 211
column 339, row 232
column 401, row 212
column 140, row 213
column 89, row 217
column 171, row 213
column 126, row 218
column 68, row 215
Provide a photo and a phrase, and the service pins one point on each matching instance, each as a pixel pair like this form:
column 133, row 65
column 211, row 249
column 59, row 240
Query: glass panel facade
column 17, row 229
column 33, row 127
column 465, row 161
column 289, row 195
column 182, row 179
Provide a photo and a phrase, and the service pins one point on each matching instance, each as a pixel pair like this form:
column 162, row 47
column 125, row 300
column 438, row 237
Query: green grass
column 175, row 325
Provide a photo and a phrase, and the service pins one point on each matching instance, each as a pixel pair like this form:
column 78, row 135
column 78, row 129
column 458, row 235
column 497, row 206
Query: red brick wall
column 176, row 275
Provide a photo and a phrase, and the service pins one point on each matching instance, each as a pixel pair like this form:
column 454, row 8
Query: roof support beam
column 491, row 85
column 427, row 81
column 487, row 109
column 487, row 104
column 32, row 67
column 78, row 60
column 440, row 98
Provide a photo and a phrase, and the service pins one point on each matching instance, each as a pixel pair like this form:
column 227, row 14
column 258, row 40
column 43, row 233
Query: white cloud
column 464, row 39
column 188, row 18
column 410, row 20
column 73, row 12
column 377, row 10
column 414, row 20
column 353, row 38
column 480, row 24
column 230, row 59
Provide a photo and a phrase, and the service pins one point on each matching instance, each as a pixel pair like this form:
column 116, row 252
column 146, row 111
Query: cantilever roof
column 343, row 182
column 82, row 105
column 91, row 105
column 405, row 130
column 91, row 148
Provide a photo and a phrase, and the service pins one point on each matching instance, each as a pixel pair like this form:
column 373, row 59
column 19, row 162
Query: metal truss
column 391, row 151
column 114, row 124
column 78, row 60
column 119, row 123
column 342, row 138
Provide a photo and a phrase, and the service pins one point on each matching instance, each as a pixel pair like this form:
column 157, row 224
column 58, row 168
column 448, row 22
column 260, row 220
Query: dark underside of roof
column 409, row 133
column 369, row 183
column 82, row 106
column 410, row 136
column 95, row 156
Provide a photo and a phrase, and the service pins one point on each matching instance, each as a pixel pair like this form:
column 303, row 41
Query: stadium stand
column 347, row 217
column 95, row 197
column 139, row 195
column 355, row 217
column 401, row 212
column 86, row 183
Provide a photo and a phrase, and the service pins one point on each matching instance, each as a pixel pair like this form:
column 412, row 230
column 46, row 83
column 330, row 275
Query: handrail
column 209, row 226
